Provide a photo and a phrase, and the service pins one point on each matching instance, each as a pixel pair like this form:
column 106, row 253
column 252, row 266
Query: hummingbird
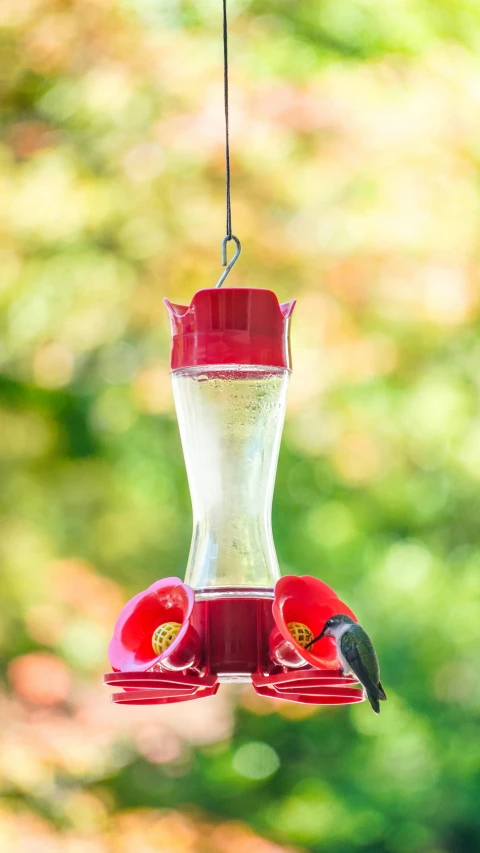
column 357, row 655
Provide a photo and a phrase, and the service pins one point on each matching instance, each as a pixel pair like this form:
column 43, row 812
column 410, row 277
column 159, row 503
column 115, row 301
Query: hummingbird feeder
column 233, row 619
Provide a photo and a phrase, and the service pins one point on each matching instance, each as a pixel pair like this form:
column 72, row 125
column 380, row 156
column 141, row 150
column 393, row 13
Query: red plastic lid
column 231, row 326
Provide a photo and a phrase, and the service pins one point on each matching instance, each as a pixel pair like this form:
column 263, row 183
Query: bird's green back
column 357, row 637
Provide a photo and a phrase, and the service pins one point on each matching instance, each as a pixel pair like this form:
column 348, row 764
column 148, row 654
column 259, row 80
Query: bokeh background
column 356, row 155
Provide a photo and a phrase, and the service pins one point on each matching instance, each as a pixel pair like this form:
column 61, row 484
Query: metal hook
column 224, row 257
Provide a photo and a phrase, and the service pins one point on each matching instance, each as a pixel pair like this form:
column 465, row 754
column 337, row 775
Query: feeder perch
column 233, row 619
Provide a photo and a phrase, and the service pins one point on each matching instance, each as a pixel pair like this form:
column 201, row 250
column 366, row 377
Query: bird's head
column 336, row 626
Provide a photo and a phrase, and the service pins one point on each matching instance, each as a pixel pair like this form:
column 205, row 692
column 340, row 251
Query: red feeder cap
column 231, row 326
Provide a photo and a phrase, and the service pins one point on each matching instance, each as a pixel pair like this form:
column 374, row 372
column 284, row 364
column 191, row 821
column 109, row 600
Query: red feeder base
column 159, row 688
column 234, row 634
column 310, row 686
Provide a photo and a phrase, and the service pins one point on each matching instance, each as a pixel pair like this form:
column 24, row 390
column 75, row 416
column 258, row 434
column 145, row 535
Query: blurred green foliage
column 356, row 190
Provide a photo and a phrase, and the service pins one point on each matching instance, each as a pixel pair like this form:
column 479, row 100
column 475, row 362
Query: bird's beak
column 316, row 639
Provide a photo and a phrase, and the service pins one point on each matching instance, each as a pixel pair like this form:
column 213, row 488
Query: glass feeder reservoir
column 230, row 372
column 230, row 419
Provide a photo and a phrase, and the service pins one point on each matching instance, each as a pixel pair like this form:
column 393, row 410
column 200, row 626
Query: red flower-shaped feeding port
column 148, row 676
column 308, row 602
column 165, row 601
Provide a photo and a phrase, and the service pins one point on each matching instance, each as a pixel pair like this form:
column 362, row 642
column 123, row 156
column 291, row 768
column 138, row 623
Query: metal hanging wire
column 229, row 236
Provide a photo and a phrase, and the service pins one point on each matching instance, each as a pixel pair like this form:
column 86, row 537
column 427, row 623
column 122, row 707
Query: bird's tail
column 377, row 697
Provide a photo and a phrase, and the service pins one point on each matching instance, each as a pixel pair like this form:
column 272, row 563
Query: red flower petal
column 167, row 600
column 310, row 601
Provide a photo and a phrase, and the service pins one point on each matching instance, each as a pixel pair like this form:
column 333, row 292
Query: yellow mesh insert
column 164, row 636
column 300, row 633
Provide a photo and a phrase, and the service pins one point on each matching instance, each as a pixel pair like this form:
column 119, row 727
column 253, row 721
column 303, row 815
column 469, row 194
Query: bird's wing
column 349, row 649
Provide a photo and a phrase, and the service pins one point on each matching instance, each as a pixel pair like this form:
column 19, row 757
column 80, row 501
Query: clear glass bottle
column 231, row 419
column 230, row 365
